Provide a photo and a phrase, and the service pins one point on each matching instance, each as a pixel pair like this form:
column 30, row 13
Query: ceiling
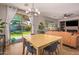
column 53, row 10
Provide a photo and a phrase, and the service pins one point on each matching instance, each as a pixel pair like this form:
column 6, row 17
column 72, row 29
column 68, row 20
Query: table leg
column 61, row 46
column 39, row 51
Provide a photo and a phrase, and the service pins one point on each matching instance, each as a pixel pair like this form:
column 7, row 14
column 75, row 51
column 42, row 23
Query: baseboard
column 70, row 46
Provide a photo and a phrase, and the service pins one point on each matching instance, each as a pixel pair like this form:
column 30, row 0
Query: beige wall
column 36, row 21
column 39, row 19
column 4, row 15
column 3, row 12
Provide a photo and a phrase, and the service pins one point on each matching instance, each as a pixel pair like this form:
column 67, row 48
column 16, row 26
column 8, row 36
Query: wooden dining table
column 40, row 41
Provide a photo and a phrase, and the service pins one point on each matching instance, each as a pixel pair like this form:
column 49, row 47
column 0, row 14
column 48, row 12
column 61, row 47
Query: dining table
column 40, row 41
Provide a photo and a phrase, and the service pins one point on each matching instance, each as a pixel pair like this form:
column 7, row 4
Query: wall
column 51, row 19
column 55, row 21
column 35, row 22
column 3, row 15
column 6, row 14
column 39, row 19
column 3, row 12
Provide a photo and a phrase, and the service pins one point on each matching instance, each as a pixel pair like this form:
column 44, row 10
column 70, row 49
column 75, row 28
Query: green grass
column 14, row 35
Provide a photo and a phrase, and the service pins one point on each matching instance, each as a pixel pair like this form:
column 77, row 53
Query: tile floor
column 17, row 48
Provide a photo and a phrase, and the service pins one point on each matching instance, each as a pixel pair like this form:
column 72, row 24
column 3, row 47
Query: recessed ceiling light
column 26, row 4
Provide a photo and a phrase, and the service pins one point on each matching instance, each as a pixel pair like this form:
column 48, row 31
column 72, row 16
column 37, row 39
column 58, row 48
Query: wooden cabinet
column 69, row 25
column 62, row 25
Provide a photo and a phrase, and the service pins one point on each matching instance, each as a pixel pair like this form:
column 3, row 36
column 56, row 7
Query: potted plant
column 1, row 26
column 41, row 28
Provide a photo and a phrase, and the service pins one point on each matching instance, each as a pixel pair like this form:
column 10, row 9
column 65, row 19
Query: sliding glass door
column 19, row 27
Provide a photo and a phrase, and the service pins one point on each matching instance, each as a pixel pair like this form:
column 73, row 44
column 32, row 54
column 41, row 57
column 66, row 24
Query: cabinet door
column 62, row 25
column 78, row 41
column 73, row 42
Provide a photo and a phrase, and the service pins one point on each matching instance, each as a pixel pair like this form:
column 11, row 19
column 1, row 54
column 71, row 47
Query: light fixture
column 66, row 15
column 32, row 11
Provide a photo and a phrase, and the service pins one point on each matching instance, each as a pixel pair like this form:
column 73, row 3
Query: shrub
column 41, row 28
column 27, row 27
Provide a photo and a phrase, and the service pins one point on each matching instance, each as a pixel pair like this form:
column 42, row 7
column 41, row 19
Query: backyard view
column 19, row 27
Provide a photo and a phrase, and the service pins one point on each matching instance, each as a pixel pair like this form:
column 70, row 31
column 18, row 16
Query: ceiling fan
column 66, row 15
column 32, row 11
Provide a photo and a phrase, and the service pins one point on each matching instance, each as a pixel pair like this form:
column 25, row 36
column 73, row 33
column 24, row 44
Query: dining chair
column 1, row 48
column 29, row 47
column 2, row 44
column 52, row 48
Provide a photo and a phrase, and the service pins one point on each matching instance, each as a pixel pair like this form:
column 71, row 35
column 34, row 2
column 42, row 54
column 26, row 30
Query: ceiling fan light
column 38, row 12
column 29, row 10
column 65, row 17
column 32, row 11
column 35, row 14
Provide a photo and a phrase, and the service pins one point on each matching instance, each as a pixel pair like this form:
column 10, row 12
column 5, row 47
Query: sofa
column 67, row 37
